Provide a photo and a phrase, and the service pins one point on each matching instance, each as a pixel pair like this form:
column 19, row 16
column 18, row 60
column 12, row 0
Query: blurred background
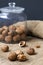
column 34, row 8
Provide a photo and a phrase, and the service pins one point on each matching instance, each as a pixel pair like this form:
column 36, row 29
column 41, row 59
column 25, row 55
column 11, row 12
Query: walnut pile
column 12, row 33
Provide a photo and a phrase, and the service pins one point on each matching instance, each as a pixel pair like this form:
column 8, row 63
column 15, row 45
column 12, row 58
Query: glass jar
column 11, row 14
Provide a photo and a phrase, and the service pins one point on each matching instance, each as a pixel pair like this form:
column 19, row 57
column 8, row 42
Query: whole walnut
column 10, row 33
column 21, row 57
column 5, row 28
column 2, row 37
column 31, row 51
column 23, row 36
column 5, row 48
column 12, row 56
column 12, row 28
column 1, row 29
column 5, row 32
column 19, row 30
column 8, row 39
column 16, row 38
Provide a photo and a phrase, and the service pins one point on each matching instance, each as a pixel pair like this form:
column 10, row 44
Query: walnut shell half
column 22, row 44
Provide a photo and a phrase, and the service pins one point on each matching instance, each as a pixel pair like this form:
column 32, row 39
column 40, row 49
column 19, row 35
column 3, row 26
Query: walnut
column 22, row 44
column 12, row 56
column 5, row 48
column 31, row 51
column 21, row 57
column 19, row 52
column 19, row 30
column 5, row 28
column 10, row 33
column 2, row 37
column 8, row 39
column 12, row 28
column 23, row 36
column 37, row 46
column 5, row 32
column 1, row 29
column 16, row 38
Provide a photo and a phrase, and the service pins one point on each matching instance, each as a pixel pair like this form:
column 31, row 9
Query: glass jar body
column 11, row 18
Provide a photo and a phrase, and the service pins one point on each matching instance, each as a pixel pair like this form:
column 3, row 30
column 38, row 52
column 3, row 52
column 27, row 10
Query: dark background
column 34, row 8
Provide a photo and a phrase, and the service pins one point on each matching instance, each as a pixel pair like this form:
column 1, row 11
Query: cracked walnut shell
column 21, row 57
